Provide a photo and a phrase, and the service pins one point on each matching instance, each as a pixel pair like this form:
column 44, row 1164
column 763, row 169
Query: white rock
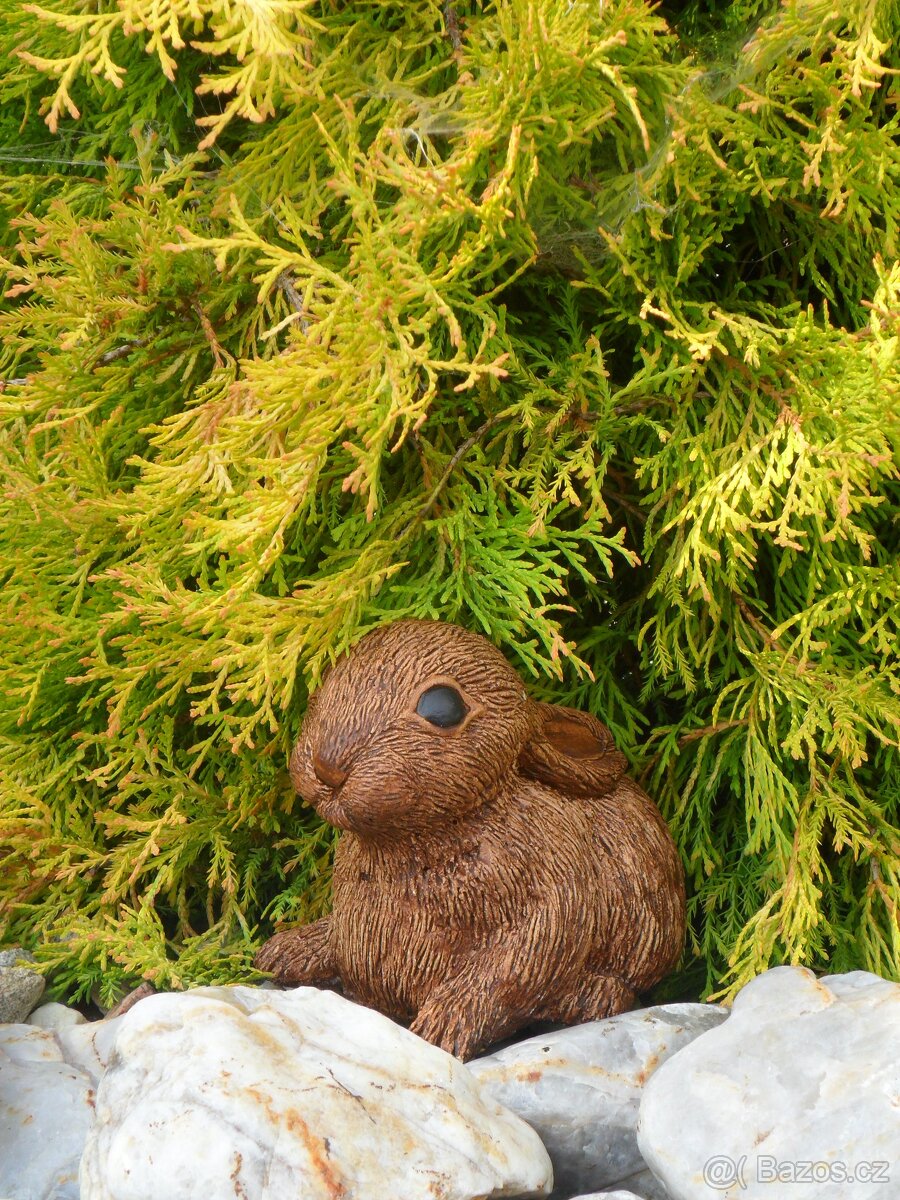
column 89, row 1047
column 797, row 1094
column 618, row 1194
column 580, row 1087
column 223, row 1092
column 644, row 1185
column 46, row 1107
column 55, row 1016
column 641, row 1186
column 21, row 1043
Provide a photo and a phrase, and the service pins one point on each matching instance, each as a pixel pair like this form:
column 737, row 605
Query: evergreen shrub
column 573, row 321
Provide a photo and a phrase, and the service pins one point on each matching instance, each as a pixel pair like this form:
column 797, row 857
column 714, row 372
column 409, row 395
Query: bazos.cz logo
column 722, row 1172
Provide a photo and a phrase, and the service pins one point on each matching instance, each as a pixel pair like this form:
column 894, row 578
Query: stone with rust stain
column 89, row 1046
column 497, row 865
column 242, row 1092
column 580, row 1088
column 45, row 1111
column 803, row 1079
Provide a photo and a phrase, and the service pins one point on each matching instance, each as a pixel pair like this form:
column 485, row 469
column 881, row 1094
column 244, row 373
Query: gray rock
column 797, row 1094
column 13, row 955
column 46, row 1106
column 20, row 987
column 55, row 1016
column 580, row 1087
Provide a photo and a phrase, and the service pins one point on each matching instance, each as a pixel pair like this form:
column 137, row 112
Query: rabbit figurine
column 497, row 866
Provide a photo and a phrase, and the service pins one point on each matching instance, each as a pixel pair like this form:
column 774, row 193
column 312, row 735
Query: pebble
column 55, row 1016
column 618, row 1194
column 644, row 1185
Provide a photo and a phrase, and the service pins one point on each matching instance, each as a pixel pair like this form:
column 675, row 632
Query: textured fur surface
column 499, row 872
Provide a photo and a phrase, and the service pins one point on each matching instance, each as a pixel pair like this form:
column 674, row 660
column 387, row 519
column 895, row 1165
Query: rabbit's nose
column 327, row 770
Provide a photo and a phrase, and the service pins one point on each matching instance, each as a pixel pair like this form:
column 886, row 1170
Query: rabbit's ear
column 572, row 751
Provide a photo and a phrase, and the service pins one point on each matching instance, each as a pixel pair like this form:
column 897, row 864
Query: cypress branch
column 577, row 324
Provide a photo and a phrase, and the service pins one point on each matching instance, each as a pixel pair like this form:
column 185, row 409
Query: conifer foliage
column 575, row 322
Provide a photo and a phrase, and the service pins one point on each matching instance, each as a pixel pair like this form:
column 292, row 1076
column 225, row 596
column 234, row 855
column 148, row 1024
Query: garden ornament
column 496, row 866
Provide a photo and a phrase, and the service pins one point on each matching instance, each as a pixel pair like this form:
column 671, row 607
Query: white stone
column 641, row 1186
column 644, row 1185
column 55, row 1016
column 797, row 1094
column 618, row 1194
column 580, row 1087
column 21, row 1043
column 224, row 1092
column 45, row 1112
column 89, row 1047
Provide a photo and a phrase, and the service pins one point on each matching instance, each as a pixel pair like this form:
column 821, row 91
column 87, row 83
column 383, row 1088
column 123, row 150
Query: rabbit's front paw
column 451, row 1027
column 300, row 955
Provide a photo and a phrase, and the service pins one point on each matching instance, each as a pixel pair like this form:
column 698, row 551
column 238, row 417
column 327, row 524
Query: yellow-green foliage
column 573, row 322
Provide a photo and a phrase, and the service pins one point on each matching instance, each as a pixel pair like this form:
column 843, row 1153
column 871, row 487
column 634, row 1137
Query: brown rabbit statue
column 496, row 867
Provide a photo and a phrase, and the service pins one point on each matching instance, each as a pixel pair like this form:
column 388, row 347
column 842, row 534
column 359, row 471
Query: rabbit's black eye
column 442, row 706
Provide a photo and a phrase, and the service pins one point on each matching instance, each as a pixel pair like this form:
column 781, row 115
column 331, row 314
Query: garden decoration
column 497, row 866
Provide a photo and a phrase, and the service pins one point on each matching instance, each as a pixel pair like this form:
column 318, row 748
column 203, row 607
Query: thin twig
column 119, row 352
column 293, row 297
column 751, row 618
column 626, row 504
column 705, row 730
column 460, row 453
column 220, row 356
column 463, row 449
column 451, row 20
column 110, row 356
column 693, row 735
